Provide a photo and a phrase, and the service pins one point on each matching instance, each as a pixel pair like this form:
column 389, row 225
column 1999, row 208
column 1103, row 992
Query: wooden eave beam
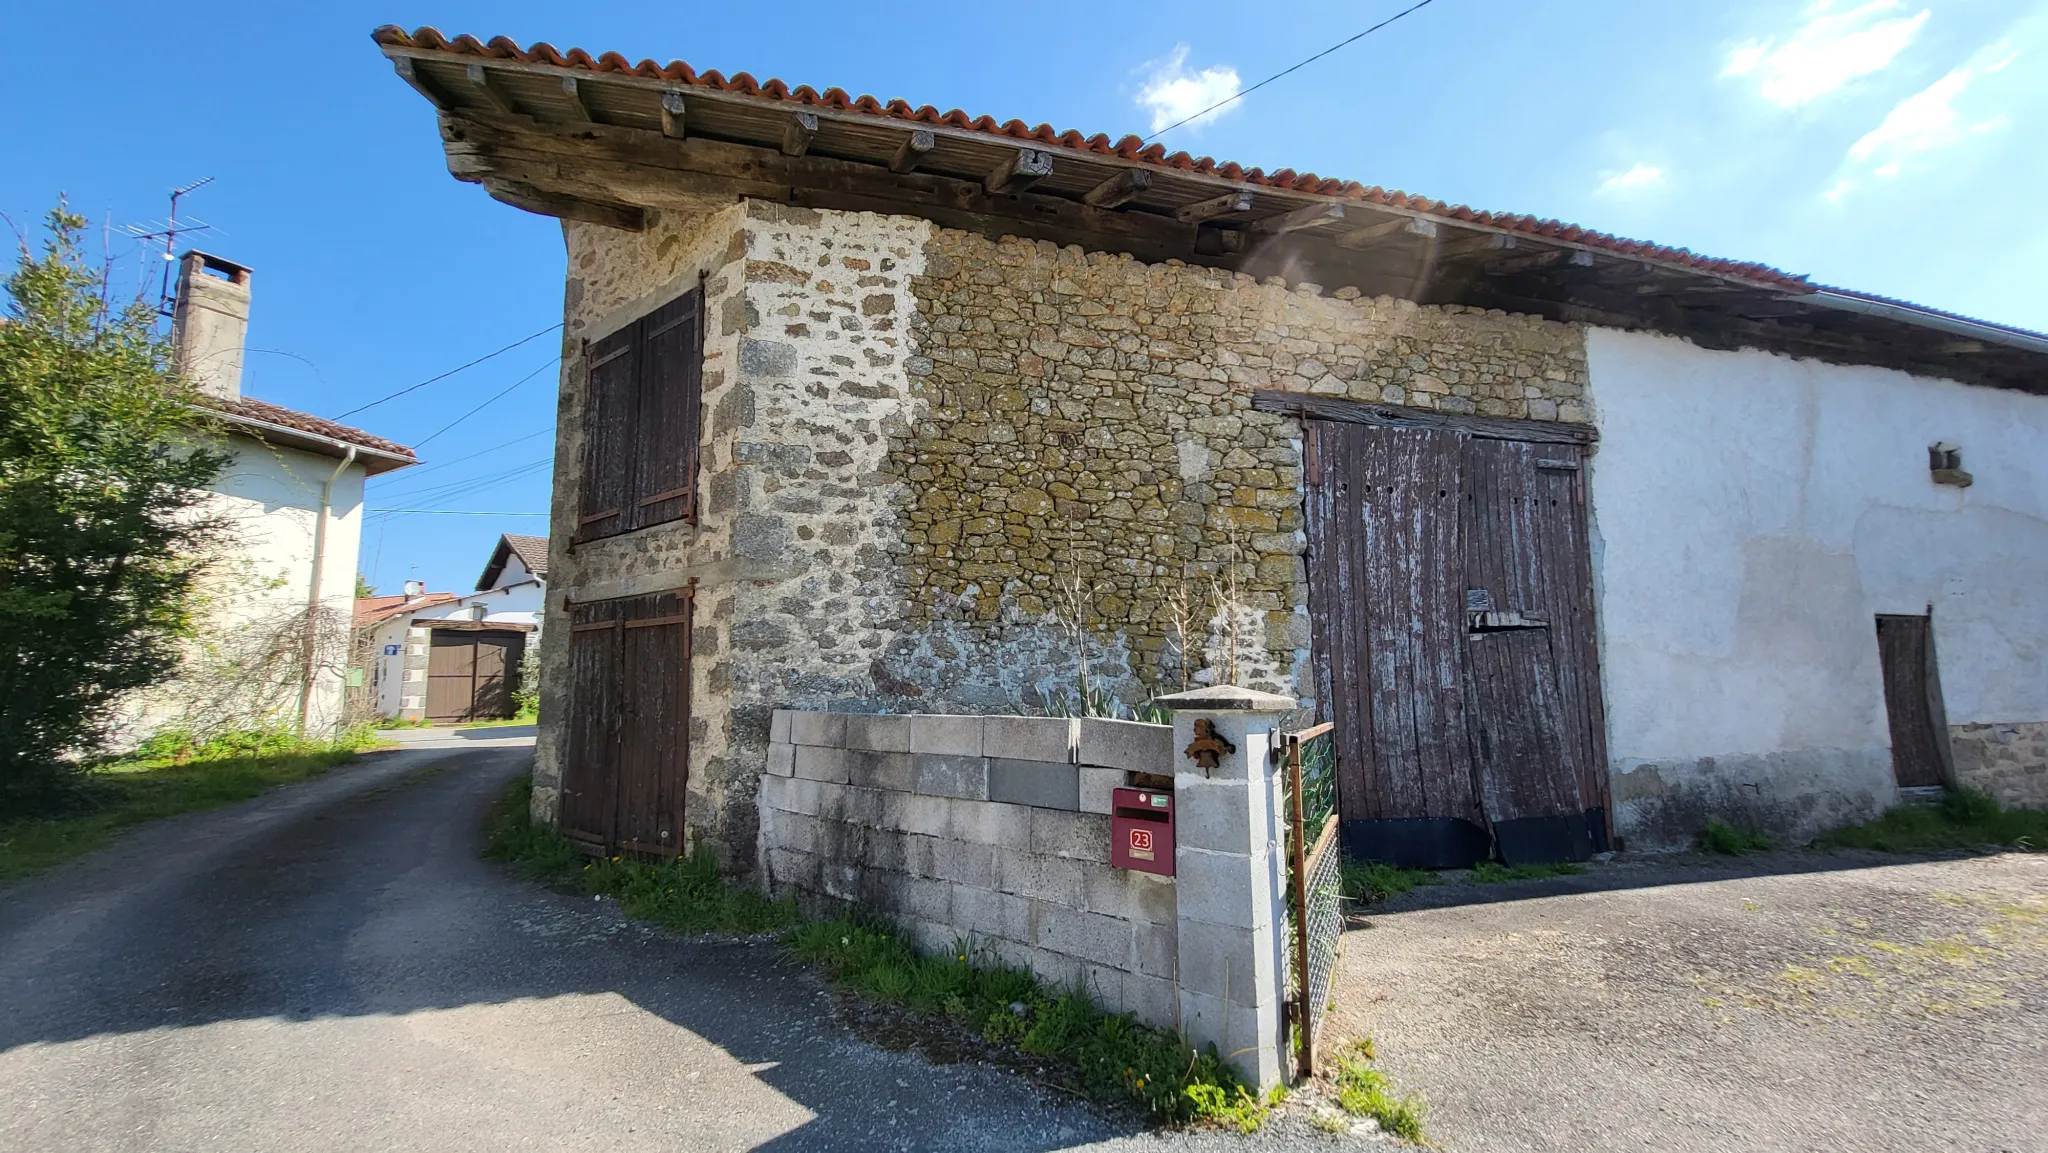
column 798, row 133
column 1019, row 170
column 1311, row 216
column 1126, row 185
column 482, row 84
column 410, row 73
column 1399, row 225
column 1228, row 204
column 916, row 143
column 611, row 214
column 578, row 109
column 673, row 107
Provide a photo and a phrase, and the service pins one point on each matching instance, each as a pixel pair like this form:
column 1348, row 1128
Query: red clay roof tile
column 253, row 409
column 1130, row 147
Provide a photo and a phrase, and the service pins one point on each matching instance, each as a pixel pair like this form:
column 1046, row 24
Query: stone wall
column 913, row 436
column 989, row 830
column 2008, row 761
column 1086, row 417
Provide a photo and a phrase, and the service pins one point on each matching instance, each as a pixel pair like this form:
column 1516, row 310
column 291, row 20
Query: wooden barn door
column 1912, row 696
column 451, row 676
column 1537, row 730
column 1450, row 592
column 1386, row 598
column 629, row 722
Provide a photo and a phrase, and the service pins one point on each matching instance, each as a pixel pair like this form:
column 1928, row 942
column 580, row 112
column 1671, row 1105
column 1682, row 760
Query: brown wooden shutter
column 654, row 742
column 590, row 777
column 666, row 427
column 612, row 380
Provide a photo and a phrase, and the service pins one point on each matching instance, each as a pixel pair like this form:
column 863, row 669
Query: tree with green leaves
column 104, row 462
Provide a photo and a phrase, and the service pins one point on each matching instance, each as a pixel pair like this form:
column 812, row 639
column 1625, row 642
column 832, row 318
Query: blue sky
column 1882, row 145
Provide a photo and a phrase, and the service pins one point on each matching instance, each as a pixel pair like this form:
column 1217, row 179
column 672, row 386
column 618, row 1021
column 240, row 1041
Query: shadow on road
column 360, row 897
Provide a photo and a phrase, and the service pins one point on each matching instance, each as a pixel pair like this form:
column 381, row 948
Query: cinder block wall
column 991, row 830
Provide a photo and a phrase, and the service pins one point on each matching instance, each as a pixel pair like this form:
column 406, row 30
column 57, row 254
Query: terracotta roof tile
column 532, row 550
column 253, row 409
column 1130, row 147
column 376, row 610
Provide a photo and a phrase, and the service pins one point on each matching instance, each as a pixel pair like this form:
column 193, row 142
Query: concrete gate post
column 1230, row 876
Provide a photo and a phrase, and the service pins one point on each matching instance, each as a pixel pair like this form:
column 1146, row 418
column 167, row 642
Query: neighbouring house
column 273, row 646
column 1578, row 540
column 451, row 657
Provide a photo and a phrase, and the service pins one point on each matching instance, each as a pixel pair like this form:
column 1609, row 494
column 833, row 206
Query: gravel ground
column 1792, row 1001
column 331, row 967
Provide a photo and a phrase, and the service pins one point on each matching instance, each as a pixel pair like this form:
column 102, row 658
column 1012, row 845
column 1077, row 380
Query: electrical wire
column 444, row 512
column 450, row 372
column 486, row 404
column 462, row 488
column 1239, row 95
column 415, row 473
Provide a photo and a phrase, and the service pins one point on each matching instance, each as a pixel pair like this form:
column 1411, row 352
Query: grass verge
column 522, row 717
column 1493, row 872
column 1363, row 1091
column 1965, row 819
column 1105, row 1058
column 170, row 774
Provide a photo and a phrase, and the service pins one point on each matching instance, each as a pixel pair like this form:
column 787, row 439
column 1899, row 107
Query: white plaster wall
column 269, row 498
column 1752, row 514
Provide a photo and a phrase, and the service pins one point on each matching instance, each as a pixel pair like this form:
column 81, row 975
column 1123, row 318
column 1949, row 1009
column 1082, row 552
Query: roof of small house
column 290, row 427
column 532, row 552
column 502, row 102
column 377, row 610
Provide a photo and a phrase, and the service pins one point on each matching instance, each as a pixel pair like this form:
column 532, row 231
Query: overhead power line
column 444, row 512
column 415, row 473
column 1277, row 75
column 552, row 361
column 449, row 373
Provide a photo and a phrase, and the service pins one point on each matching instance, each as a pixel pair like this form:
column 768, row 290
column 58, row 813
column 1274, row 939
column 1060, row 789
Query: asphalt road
column 1781, row 1004
column 332, row 967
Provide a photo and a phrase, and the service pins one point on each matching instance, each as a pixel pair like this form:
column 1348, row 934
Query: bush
column 103, row 463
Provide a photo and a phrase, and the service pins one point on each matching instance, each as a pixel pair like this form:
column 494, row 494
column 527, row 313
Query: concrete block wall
column 988, row 830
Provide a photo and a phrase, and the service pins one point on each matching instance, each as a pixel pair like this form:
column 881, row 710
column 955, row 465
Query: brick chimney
column 210, row 323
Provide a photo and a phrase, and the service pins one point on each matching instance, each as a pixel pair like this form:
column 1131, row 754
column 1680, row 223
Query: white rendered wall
column 269, row 497
column 1752, row 514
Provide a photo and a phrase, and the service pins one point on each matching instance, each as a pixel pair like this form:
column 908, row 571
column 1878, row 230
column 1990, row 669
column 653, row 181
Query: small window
column 641, row 421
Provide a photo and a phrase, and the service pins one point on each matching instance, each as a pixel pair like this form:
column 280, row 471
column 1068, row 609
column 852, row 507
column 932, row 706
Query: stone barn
column 1580, row 541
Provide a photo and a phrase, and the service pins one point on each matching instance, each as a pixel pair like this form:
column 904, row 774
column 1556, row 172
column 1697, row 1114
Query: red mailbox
column 1141, row 830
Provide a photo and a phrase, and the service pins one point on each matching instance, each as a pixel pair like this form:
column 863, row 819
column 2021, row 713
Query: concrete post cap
column 1226, row 698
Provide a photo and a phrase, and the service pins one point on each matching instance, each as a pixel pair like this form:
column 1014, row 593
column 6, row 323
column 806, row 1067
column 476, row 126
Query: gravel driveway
column 331, row 967
column 1790, row 1002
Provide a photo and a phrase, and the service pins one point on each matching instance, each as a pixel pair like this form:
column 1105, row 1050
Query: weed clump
column 1729, row 841
column 686, row 894
column 1364, row 1091
column 1965, row 819
column 1109, row 1056
column 1370, row 882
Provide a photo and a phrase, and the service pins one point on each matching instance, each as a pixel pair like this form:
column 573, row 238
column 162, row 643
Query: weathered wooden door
column 1536, row 722
column 471, row 674
column 1905, row 652
column 1450, row 593
column 629, row 724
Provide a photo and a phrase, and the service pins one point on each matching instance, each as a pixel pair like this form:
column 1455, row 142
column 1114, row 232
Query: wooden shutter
column 589, row 812
column 666, row 428
column 611, row 382
column 654, row 742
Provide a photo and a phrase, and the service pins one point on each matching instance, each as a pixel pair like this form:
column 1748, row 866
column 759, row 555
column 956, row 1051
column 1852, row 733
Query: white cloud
column 1636, row 179
column 1831, row 48
column 1174, row 93
column 1937, row 117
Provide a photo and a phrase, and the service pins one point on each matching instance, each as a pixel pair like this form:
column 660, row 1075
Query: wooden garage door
column 1912, row 693
column 472, row 674
column 1451, row 599
column 629, row 723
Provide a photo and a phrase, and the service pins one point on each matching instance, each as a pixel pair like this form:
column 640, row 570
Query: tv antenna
column 169, row 231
